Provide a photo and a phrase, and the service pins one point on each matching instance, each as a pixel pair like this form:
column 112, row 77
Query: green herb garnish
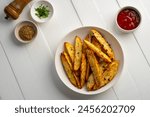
column 42, row 11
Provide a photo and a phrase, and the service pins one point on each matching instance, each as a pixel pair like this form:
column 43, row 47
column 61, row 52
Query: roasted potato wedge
column 84, row 45
column 95, row 88
column 77, row 73
column 70, row 50
column 88, row 38
column 68, row 60
column 78, row 53
column 77, row 81
column 98, row 51
column 111, row 71
column 104, row 65
column 90, row 83
column 96, row 43
column 104, row 43
column 83, row 70
column 96, row 69
column 68, row 70
column 87, row 71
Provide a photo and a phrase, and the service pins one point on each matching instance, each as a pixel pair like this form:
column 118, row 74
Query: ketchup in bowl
column 128, row 18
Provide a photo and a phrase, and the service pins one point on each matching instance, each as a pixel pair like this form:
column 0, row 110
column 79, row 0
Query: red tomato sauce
column 128, row 19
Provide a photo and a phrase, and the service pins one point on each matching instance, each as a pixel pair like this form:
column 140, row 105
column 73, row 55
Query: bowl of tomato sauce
column 128, row 19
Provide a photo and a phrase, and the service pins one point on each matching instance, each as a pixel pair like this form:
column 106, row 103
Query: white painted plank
column 142, row 37
column 9, row 88
column 33, row 64
column 142, row 33
column 141, row 73
column 126, row 87
column 108, row 11
column 145, row 4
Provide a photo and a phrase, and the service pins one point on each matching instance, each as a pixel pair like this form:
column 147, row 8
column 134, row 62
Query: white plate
column 82, row 32
column 37, row 4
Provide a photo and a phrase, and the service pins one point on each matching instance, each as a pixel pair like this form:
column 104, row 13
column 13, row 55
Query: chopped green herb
column 42, row 11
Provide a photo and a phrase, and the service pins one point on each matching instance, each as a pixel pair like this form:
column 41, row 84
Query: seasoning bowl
column 128, row 19
column 21, row 34
column 41, row 11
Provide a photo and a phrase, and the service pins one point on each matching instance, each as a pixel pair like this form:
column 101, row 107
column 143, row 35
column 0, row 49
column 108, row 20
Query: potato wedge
column 104, row 65
column 111, row 71
column 83, row 70
column 104, row 43
column 70, row 50
column 84, row 45
column 68, row 60
column 78, row 53
column 77, row 73
column 90, row 83
column 68, row 70
column 87, row 71
column 96, row 43
column 77, row 81
column 98, row 51
column 88, row 38
column 96, row 69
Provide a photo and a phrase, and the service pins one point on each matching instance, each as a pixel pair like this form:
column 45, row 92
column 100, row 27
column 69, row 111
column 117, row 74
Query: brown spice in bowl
column 27, row 32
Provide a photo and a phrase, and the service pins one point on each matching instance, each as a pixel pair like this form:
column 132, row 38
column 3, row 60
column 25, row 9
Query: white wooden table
column 28, row 71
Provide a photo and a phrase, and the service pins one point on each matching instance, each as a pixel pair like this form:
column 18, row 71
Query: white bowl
column 128, row 7
column 37, row 4
column 23, row 23
column 82, row 32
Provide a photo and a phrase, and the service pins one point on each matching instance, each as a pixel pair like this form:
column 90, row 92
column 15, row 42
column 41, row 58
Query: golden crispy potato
column 68, row 70
column 77, row 73
column 84, row 51
column 111, row 71
column 90, row 83
column 104, row 43
column 83, row 70
column 96, row 43
column 95, row 88
column 98, row 51
column 96, row 69
column 78, row 53
column 104, row 65
column 84, row 45
column 87, row 71
column 68, row 60
column 77, row 81
column 70, row 50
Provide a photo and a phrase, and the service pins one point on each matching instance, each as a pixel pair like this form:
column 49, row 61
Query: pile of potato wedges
column 89, row 62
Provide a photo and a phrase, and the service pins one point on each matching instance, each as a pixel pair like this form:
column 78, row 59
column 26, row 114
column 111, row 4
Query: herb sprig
column 42, row 11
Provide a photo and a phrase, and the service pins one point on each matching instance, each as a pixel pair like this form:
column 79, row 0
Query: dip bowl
column 128, row 19
column 32, row 26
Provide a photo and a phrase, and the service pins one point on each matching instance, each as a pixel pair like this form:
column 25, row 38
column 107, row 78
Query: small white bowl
column 36, row 5
column 21, row 24
column 132, row 8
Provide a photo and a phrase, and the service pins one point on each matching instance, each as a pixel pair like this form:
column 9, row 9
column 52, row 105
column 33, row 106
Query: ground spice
column 27, row 33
